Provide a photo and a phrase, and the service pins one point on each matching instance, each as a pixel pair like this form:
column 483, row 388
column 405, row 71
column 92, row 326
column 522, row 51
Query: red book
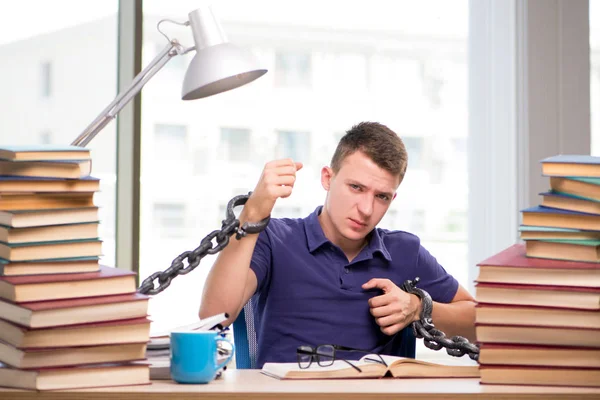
column 76, row 378
column 513, row 266
column 40, row 314
column 105, row 282
column 135, row 330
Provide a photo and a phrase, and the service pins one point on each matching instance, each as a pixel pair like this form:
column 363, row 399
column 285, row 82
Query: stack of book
column 538, row 312
column 65, row 320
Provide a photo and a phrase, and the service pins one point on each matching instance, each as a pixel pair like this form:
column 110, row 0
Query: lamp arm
column 123, row 98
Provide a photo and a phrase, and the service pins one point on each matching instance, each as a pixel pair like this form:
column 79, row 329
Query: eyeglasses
column 325, row 355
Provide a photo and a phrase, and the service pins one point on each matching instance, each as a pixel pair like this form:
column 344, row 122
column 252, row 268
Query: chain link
column 433, row 338
column 159, row 281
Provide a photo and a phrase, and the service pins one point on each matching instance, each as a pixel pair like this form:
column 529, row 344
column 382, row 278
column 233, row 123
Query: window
column 235, row 144
column 414, row 148
column 169, row 220
column 595, row 74
column 294, row 145
column 170, row 142
column 46, row 137
column 46, row 79
column 292, row 69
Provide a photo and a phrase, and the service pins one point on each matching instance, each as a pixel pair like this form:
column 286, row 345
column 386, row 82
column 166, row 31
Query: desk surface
column 251, row 384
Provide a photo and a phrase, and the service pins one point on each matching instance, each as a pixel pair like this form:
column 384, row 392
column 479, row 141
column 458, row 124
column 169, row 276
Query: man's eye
column 383, row 197
column 354, row 187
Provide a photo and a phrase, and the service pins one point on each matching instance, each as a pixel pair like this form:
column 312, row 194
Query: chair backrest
column 246, row 340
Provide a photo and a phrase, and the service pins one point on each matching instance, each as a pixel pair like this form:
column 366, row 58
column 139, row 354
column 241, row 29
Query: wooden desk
column 251, row 384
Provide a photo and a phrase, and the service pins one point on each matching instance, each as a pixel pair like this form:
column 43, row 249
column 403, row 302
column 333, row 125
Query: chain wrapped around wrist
column 160, row 280
column 433, row 338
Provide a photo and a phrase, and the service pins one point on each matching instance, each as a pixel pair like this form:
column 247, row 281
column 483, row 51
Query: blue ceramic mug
column 194, row 356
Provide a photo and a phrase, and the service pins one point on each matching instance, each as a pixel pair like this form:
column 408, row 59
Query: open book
column 398, row 367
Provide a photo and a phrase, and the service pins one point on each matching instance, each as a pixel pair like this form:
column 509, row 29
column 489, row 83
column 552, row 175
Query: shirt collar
column 316, row 237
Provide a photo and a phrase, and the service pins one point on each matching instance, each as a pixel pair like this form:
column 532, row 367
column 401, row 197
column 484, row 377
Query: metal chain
column 159, row 281
column 435, row 339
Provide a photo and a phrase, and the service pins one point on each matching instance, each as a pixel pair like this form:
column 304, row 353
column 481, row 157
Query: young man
column 333, row 277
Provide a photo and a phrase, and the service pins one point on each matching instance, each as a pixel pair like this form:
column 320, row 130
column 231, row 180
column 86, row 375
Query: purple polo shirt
column 310, row 294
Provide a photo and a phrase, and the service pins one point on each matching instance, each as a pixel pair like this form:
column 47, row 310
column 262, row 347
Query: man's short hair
column 378, row 142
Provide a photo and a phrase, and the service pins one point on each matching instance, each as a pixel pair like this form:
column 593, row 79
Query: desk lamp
column 219, row 66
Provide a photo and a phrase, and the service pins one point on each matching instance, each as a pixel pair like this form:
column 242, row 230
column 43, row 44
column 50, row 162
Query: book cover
column 107, row 281
column 540, row 375
column 63, row 232
column 70, row 356
column 20, row 184
column 37, row 201
column 555, row 217
column 54, row 249
column 566, row 335
column 43, row 152
column 539, row 295
column 75, row 378
column 135, row 330
column 40, row 314
column 560, row 249
column 517, row 314
column 67, row 265
column 47, row 217
column 515, row 257
column 572, row 165
column 72, row 169
column 556, row 356
column 582, row 187
column 570, row 202
column 549, row 232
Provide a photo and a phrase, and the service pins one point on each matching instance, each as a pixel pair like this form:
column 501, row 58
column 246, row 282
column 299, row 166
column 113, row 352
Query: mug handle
column 222, row 339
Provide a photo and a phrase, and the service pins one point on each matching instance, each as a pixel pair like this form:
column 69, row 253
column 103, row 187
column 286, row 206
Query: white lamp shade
column 217, row 69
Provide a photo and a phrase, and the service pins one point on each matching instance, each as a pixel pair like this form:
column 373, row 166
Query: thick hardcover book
column 22, row 184
column 41, row 217
column 99, row 333
column 567, row 335
column 547, row 232
column 103, row 375
column 38, row 201
column 571, row 250
column 70, row 356
column 107, row 281
column 566, row 201
column 511, row 265
column 539, row 295
column 543, row 376
column 68, row 265
column 41, row 314
column 571, row 165
column 43, row 152
column 583, row 187
column 74, row 169
column 397, row 367
column 496, row 314
column 48, row 250
column 49, row 233
column 555, row 356
column 554, row 217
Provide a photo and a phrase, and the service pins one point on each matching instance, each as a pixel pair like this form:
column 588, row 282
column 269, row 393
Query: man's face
column 358, row 195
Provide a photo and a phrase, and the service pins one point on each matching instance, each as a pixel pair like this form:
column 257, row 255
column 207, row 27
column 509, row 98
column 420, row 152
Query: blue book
column 574, row 165
column 43, row 152
column 558, row 218
column 588, row 188
column 569, row 202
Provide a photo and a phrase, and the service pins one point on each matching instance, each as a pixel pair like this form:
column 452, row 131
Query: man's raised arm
column 231, row 282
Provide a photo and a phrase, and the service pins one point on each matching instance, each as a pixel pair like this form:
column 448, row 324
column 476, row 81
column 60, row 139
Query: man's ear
column 395, row 194
column 326, row 175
